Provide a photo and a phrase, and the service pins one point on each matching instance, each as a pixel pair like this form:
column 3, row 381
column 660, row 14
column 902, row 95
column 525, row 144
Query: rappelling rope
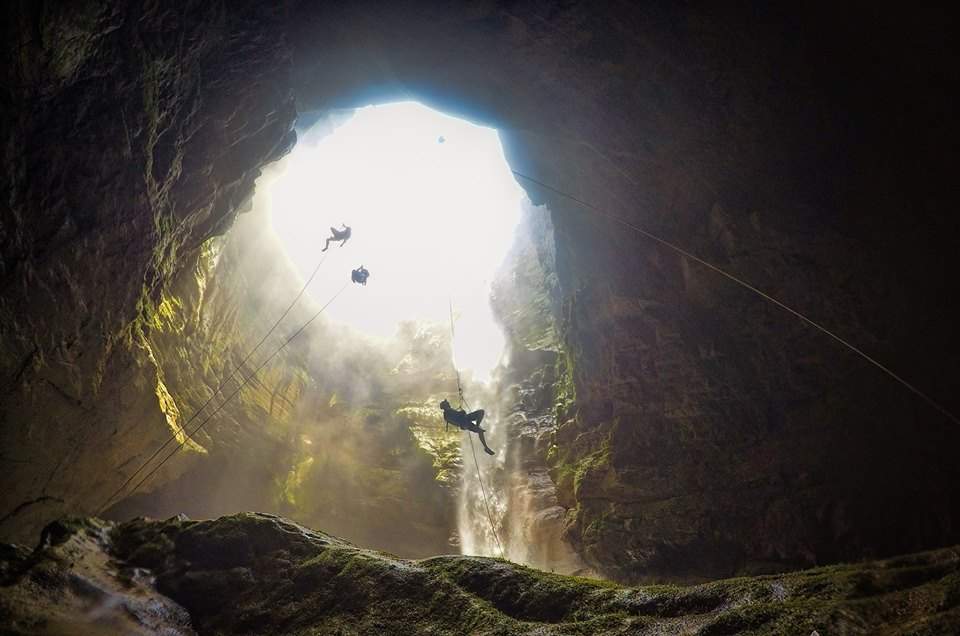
column 892, row 374
column 242, row 384
column 453, row 355
column 484, row 492
column 473, row 450
column 222, row 384
column 926, row 398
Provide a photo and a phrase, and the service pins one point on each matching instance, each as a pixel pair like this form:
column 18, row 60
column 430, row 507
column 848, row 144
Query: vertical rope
column 235, row 392
column 219, row 388
column 483, row 491
column 473, row 450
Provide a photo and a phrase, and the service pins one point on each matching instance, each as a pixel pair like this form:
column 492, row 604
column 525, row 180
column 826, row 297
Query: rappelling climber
column 360, row 275
column 338, row 235
column 465, row 421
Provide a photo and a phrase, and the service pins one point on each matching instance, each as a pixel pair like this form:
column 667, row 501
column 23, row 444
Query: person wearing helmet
column 465, row 421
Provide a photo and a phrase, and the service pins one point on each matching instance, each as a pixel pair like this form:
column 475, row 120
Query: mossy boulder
column 255, row 573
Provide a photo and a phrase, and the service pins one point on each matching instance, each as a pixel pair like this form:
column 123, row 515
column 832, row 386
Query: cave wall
column 809, row 152
column 131, row 134
column 803, row 150
column 529, row 396
column 335, row 431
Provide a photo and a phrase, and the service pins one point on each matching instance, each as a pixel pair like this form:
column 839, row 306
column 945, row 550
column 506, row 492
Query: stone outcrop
column 131, row 135
column 529, row 397
column 261, row 574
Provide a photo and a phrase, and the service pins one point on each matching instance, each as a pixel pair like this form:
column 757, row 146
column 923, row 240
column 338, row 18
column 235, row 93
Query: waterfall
column 521, row 497
column 478, row 520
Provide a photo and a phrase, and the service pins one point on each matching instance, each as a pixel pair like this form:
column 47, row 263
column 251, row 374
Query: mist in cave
column 433, row 208
column 434, row 211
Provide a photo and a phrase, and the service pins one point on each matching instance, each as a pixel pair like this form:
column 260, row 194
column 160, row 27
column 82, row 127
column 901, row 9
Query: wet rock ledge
column 259, row 574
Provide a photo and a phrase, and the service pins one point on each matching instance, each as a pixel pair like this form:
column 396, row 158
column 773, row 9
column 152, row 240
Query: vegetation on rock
column 255, row 574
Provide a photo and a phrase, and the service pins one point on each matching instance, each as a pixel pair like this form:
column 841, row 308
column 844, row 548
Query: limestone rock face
column 531, row 385
column 72, row 584
column 260, row 574
column 131, row 134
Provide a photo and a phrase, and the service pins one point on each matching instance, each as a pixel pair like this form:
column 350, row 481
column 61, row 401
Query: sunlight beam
column 433, row 207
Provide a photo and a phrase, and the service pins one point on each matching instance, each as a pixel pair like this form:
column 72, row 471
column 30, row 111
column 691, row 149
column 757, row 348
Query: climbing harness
column 183, row 428
column 473, row 450
column 679, row 250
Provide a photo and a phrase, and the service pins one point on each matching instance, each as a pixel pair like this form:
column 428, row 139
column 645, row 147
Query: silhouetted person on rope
column 465, row 422
column 360, row 275
column 338, row 235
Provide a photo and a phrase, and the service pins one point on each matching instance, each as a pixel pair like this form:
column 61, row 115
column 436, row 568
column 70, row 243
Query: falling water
column 434, row 208
column 511, row 508
column 482, row 504
column 520, row 518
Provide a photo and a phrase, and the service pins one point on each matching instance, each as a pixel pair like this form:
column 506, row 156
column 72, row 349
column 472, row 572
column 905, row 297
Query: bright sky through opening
column 432, row 220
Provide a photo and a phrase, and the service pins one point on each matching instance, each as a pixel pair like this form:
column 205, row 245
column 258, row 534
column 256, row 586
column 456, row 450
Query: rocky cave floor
column 260, row 574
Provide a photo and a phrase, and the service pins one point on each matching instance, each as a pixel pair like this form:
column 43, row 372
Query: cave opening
column 433, row 208
column 343, row 429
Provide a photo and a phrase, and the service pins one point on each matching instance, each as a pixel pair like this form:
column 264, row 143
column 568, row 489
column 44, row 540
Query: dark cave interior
column 664, row 425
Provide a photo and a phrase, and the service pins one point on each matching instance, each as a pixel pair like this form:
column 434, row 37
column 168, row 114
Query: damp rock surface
column 254, row 573
column 131, row 136
column 72, row 584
